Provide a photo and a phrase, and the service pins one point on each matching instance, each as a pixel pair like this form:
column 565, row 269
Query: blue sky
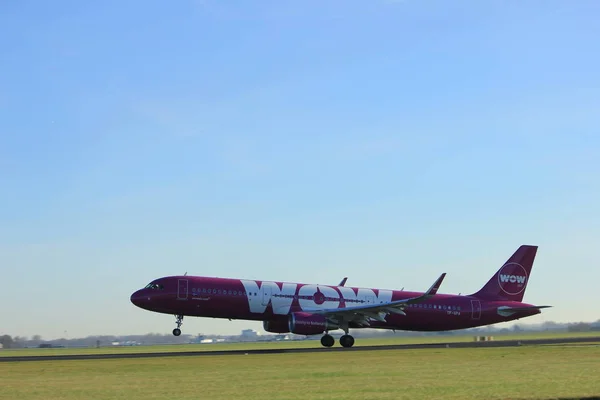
column 386, row 141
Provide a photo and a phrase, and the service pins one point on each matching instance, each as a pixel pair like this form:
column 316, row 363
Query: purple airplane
column 309, row 309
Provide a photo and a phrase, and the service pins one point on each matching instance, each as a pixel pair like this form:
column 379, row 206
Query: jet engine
column 302, row 323
column 279, row 326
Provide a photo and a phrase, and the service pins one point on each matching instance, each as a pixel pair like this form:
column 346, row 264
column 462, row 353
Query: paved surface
column 455, row 345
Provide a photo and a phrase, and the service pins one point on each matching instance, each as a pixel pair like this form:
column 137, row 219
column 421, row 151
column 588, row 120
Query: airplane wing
column 361, row 314
column 343, row 282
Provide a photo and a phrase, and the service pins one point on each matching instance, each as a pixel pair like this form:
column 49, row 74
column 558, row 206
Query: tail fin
column 510, row 281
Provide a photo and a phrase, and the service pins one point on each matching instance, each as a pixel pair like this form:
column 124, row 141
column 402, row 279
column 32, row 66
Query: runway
column 453, row 345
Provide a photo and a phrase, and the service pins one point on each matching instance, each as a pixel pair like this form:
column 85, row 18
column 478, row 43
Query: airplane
column 314, row 309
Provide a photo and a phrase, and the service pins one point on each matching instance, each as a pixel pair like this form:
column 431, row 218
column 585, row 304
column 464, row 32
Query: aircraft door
column 182, row 289
column 476, row 309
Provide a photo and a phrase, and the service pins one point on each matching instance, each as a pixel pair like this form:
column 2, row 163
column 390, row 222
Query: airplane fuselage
column 310, row 309
column 275, row 301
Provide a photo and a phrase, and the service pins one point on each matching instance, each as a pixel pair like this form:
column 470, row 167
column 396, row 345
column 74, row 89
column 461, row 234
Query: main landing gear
column 327, row 340
column 179, row 321
column 345, row 340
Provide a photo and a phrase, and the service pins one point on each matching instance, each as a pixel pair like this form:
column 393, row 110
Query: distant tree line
column 6, row 341
column 582, row 327
column 9, row 342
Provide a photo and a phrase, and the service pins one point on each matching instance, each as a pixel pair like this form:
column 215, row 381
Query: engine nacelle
column 302, row 323
column 280, row 326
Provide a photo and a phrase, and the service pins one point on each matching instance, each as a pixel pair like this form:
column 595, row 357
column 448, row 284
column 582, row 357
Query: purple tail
column 510, row 281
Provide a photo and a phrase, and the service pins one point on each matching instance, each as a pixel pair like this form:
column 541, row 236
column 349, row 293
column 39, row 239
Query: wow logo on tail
column 512, row 278
column 510, row 282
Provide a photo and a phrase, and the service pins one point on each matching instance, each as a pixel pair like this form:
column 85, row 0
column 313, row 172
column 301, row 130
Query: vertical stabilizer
column 510, row 282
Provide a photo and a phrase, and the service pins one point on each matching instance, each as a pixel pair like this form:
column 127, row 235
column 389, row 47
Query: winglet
column 343, row 282
column 435, row 287
column 430, row 292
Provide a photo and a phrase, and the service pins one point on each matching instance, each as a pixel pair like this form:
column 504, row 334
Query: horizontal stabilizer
column 507, row 311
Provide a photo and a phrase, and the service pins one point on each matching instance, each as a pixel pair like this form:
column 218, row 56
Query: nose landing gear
column 178, row 321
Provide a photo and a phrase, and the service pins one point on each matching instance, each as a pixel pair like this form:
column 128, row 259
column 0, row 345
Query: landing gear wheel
column 178, row 321
column 346, row 341
column 327, row 340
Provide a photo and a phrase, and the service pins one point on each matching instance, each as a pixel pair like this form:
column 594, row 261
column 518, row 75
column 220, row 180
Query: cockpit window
column 154, row 286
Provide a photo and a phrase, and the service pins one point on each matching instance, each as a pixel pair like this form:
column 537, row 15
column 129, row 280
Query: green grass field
column 284, row 344
column 527, row 372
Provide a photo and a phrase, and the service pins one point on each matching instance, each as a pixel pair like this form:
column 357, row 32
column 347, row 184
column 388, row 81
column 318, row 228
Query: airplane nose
column 137, row 298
